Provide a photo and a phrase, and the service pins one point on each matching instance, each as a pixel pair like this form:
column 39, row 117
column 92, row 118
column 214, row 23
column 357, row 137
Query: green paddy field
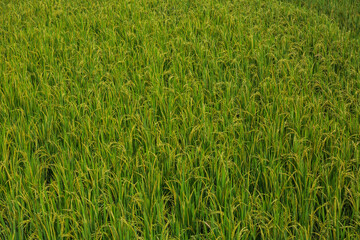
column 180, row 119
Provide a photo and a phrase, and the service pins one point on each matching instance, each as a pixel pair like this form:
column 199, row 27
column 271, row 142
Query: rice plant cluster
column 178, row 119
column 345, row 12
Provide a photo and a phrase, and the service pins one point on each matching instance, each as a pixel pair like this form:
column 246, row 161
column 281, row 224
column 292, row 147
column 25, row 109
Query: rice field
column 188, row 119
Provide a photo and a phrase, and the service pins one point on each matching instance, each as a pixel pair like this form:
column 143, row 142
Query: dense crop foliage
column 345, row 12
column 176, row 120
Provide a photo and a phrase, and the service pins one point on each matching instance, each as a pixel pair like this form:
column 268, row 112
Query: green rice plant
column 345, row 12
column 177, row 120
